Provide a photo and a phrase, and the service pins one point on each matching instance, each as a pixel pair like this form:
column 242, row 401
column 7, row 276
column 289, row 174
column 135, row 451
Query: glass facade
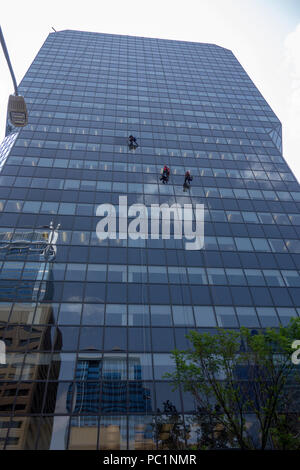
column 89, row 331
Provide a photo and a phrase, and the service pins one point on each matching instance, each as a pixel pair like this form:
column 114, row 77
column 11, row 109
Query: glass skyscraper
column 89, row 330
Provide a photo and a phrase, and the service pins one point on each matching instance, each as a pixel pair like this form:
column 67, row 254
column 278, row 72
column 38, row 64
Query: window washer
column 132, row 142
column 165, row 174
column 188, row 177
column 187, row 180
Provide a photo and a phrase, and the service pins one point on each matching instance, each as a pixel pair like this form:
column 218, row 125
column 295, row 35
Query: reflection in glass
column 113, row 433
column 93, row 314
column 141, row 433
column 59, row 432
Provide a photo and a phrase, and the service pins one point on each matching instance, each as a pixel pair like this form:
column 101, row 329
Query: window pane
column 163, row 363
column 243, row 244
column 268, row 317
column 197, row 276
column 236, row 277
column 137, row 274
column 216, row 276
column 93, row 314
column 138, row 315
column 273, row 278
column 116, row 314
column 247, row 316
column 183, row 315
column 157, row 274
column 204, row 316
column 117, row 273
column 226, row 317
column 177, row 275
column 75, row 272
column 292, row 278
column 255, row 277
column 96, row 272
column 160, row 315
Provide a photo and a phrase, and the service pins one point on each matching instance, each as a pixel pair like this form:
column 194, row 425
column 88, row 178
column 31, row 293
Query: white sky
column 264, row 35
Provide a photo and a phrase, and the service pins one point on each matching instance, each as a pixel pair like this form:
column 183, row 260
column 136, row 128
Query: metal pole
column 8, row 61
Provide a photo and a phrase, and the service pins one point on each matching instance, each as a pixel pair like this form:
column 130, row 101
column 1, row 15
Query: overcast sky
column 264, row 35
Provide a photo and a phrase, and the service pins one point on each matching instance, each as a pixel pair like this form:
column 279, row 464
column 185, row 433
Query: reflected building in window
column 27, row 337
column 101, row 388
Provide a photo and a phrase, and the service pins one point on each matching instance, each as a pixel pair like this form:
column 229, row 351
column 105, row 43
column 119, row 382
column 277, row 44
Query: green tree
column 245, row 386
column 170, row 430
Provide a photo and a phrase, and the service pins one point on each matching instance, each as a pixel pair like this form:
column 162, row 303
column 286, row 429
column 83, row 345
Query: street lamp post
column 17, row 110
